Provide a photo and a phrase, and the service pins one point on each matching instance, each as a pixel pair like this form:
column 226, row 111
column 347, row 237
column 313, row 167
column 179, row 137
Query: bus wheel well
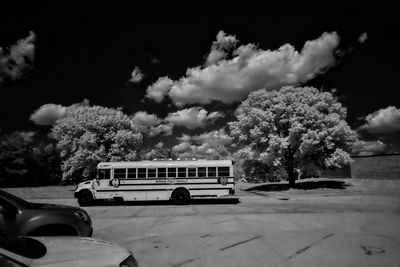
column 180, row 188
column 85, row 197
column 180, row 196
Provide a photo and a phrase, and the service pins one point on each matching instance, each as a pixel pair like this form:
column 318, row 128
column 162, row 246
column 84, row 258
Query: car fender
column 45, row 219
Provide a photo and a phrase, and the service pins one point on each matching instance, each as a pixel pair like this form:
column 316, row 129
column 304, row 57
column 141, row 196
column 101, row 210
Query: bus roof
column 164, row 163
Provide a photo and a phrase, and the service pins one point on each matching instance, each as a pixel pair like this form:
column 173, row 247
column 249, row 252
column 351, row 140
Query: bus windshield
column 103, row 174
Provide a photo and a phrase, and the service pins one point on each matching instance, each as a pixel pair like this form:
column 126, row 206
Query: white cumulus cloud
column 221, row 47
column 181, row 147
column 363, row 37
column 164, row 128
column 230, row 80
column 48, row 114
column 386, row 120
column 159, row 145
column 367, row 148
column 194, row 117
column 18, row 60
column 209, row 145
column 136, row 75
column 145, row 119
column 159, row 89
column 151, row 124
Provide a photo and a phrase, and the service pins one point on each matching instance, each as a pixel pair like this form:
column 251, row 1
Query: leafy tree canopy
column 292, row 128
column 24, row 161
column 88, row 135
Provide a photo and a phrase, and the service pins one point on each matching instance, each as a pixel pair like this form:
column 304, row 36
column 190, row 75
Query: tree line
column 278, row 134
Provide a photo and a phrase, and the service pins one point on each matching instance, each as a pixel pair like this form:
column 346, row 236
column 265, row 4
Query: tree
column 289, row 129
column 14, row 159
column 88, row 135
column 47, row 161
column 26, row 162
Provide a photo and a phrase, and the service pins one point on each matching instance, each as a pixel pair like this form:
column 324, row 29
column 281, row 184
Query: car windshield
column 23, row 246
column 24, row 203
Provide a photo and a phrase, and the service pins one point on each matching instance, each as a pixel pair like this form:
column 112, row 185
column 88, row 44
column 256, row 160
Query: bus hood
column 86, row 184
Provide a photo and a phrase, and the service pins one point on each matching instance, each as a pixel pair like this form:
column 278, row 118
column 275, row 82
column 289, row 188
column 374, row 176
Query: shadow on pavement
column 204, row 201
column 308, row 185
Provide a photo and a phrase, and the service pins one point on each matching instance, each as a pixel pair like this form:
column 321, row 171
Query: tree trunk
column 292, row 178
column 292, row 175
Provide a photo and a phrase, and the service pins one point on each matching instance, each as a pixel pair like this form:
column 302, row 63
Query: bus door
column 102, row 182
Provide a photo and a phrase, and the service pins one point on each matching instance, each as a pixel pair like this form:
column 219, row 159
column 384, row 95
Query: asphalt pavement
column 326, row 225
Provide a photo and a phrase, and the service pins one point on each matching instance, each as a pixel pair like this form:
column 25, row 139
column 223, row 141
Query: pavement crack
column 241, row 242
column 163, row 223
column 221, row 221
column 136, row 213
column 370, row 250
column 309, row 246
column 183, row 263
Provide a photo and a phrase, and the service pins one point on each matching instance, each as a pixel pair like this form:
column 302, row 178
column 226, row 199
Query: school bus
column 179, row 180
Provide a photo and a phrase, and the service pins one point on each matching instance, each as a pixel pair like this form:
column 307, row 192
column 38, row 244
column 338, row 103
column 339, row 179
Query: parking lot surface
column 352, row 226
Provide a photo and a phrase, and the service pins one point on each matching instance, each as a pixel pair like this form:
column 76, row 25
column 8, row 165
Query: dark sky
column 89, row 51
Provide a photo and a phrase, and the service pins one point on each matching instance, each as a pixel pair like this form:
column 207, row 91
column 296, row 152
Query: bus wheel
column 85, row 198
column 181, row 197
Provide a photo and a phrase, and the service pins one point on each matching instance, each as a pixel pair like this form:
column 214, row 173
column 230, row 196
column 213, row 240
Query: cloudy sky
column 181, row 72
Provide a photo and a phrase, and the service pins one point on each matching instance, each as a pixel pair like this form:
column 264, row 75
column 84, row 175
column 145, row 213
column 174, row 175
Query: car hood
column 46, row 206
column 80, row 251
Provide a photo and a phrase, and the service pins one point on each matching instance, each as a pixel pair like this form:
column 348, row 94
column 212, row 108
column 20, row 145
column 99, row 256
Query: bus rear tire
column 181, row 197
column 85, row 198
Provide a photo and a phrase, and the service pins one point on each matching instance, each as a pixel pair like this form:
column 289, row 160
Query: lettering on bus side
column 172, row 181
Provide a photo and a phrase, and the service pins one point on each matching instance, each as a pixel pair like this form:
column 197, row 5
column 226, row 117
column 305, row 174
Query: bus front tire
column 85, row 198
column 181, row 197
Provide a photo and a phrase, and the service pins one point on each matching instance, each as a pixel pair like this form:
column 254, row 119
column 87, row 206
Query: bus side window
column 182, row 172
column 151, row 173
column 104, row 174
column 223, row 171
column 132, row 173
column 162, row 172
column 191, row 172
column 120, row 173
column 141, row 173
column 171, row 172
column 212, row 171
column 202, row 172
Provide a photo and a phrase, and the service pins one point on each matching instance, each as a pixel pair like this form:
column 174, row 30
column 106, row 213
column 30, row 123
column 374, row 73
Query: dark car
column 20, row 217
